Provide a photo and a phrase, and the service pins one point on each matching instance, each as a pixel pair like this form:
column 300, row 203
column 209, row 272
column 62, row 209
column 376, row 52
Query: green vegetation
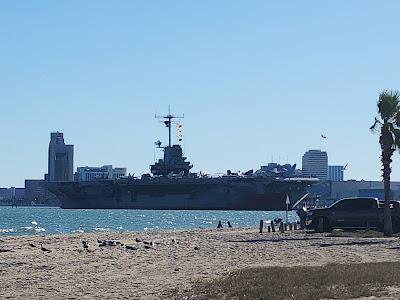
column 387, row 124
column 329, row 281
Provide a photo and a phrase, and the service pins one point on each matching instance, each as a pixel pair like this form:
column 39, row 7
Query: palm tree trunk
column 387, row 215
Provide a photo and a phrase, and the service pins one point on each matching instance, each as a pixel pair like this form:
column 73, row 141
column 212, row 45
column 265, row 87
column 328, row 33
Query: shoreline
column 159, row 262
column 25, row 221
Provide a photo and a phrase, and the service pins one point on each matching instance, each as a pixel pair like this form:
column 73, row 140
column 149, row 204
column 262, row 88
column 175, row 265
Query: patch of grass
column 329, row 281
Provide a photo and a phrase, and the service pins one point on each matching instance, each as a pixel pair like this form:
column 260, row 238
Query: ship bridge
column 174, row 162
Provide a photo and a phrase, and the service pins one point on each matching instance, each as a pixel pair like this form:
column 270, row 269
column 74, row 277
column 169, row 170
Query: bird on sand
column 44, row 249
column 85, row 245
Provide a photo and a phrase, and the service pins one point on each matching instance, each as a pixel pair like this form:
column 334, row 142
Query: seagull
column 102, row 243
column 44, row 249
column 85, row 245
column 131, row 247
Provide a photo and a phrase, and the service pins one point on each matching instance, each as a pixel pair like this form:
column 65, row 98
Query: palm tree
column 388, row 125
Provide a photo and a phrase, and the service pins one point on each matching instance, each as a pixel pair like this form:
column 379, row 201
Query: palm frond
column 397, row 119
column 388, row 105
column 375, row 127
column 396, row 133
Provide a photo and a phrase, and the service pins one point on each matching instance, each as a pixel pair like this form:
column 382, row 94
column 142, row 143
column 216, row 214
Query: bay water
column 52, row 220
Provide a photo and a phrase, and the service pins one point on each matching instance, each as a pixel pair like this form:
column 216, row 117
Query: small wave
column 7, row 230
column 39, row 229
column 27, row 228
column 78, row 231
column 34, row 223
column 36, row 229
column 101, row 229
column 120, row 227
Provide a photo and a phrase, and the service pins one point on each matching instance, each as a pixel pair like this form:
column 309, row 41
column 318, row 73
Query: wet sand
column 159, row 262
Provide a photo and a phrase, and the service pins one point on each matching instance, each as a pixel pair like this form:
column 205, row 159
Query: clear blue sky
column 255, row 80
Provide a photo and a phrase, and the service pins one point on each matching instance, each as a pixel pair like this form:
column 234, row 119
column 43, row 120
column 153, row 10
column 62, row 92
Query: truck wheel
column 396, row 225
column 323, row 225
column 380, row 227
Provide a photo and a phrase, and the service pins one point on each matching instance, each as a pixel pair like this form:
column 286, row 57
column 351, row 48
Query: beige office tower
column 61, row 159
column 315, row 164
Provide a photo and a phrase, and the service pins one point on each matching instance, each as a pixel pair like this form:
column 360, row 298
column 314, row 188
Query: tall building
column 335, row 173
column 104, row 172
column 61, row 159
column 315, row 164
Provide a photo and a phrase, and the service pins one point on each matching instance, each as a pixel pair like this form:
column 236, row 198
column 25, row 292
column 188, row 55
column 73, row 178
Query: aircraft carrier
column 171, row 186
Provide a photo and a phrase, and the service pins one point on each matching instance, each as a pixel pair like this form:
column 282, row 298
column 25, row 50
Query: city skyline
column 254, row 81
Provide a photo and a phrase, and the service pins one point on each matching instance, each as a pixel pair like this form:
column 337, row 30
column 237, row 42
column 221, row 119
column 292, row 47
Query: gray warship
column 171, row 186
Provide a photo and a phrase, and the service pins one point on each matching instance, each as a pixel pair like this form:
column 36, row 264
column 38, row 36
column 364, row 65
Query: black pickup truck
column 352, row 213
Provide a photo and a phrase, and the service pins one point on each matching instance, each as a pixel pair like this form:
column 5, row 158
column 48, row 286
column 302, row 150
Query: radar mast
column 173, row 163
column 167, row 119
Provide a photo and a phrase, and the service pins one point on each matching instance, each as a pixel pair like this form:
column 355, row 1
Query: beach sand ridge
column 160, row 261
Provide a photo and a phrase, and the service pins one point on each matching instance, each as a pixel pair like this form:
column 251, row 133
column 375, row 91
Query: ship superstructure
column 171, row 186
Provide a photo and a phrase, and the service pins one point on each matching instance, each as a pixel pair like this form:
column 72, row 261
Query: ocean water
column 50, row 220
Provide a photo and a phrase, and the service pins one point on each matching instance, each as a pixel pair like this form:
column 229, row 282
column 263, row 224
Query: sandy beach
column 158, row 262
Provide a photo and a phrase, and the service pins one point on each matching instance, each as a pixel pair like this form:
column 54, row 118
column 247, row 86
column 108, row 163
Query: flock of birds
column 105, row 243
column 41, row 247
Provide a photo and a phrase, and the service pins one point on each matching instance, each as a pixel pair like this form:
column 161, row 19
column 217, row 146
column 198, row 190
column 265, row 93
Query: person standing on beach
column 219, row 225
column 302, row 213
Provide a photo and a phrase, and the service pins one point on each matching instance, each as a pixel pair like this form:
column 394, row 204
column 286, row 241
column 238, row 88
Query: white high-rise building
column 315, row 164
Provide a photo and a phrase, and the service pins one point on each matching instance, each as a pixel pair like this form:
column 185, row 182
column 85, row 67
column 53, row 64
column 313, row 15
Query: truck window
column 345, row 205
column 367, row 204
column 357, row 204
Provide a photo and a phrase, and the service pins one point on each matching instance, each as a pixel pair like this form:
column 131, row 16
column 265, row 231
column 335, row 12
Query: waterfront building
column 315, row 164
column 335, row 190
column 36, row 194
column 61, row 159
column 104, row 172
column 335, row 173
column 12, row 195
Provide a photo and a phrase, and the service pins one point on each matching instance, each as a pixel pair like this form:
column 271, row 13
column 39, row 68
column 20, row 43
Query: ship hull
column 180, row 194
